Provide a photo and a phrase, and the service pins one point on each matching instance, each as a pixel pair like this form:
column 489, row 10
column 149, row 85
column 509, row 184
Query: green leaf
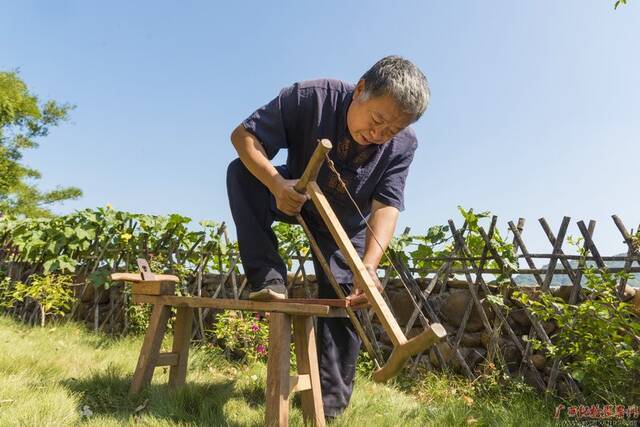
column 82, row 233
column 578, row 374
column 99, row 277
column 50, row 266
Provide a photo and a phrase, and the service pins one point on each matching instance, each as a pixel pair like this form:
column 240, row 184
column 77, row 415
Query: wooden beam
column 181, row 339
column 153, row 288
column 150, row 351
column 360, row 303
column 299, row 382
column 167, row 359
column 361, row 276
column 231, row 304
column 307, row 364
column 278, row 365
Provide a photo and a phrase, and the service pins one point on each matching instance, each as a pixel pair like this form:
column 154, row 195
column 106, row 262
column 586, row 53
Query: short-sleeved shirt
column 296, row 120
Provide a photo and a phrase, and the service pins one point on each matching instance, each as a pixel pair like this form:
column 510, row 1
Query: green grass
column 48, row 375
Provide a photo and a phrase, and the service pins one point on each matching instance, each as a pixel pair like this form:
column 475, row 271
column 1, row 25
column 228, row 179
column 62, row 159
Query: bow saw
column 403, row 348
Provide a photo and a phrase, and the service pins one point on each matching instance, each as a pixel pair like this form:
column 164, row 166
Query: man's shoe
column 273, row 291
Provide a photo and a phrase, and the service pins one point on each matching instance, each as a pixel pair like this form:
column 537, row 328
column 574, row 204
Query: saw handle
column 311, row 171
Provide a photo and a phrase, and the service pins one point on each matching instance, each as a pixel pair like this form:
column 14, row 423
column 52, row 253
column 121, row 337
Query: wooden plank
column 278, row 365
column 231, row 304
column 153, row 288
column 361, row 276
column 181, row 339
column 331, row 302
column 299, row 383
column 150, row 350
column 167, row 359
column 307, row 363
column 135, row 278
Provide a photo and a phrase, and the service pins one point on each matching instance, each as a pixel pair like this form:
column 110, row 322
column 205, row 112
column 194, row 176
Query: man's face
column 375, row 120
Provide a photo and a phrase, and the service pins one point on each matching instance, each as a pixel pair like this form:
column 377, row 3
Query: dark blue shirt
column 308, row 111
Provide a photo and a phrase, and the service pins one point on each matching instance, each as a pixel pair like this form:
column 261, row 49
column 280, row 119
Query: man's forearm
column 383, row 222
column 254, row 158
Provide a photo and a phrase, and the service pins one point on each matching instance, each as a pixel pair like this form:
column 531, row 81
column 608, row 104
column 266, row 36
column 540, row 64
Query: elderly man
column 368, row 124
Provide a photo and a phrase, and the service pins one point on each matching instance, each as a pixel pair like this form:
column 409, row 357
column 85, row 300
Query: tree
column 23, row 120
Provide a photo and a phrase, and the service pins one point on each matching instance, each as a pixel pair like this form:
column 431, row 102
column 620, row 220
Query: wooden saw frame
column 403, row 348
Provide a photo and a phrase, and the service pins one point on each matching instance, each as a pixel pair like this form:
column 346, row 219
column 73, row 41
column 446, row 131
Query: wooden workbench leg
column 278, row 365
column 181, row 339
column 150, row 348
column 307, row 361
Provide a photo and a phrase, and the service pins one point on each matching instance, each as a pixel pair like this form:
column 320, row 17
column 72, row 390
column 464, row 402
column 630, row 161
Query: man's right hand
column 288, row 200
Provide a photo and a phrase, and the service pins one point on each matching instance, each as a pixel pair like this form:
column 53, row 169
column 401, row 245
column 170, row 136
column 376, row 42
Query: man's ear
column 359, row 89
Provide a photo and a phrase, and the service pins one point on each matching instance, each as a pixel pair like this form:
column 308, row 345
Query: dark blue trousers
column 254, row 210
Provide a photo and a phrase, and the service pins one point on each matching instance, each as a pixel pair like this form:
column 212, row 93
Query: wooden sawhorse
column 159, row 291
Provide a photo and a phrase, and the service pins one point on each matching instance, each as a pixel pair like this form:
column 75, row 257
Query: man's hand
column 288, row 200
column 253, row 156
column 358, row 298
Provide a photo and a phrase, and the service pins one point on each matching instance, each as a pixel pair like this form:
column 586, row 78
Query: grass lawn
column 63, row 375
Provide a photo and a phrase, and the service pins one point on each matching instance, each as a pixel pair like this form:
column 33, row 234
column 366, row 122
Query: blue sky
column 535, row 105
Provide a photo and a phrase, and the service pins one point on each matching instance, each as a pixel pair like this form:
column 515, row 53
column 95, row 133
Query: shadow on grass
column 106, row 393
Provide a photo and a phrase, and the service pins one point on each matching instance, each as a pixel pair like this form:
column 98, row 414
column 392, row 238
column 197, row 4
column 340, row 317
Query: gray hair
column 400, row 79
